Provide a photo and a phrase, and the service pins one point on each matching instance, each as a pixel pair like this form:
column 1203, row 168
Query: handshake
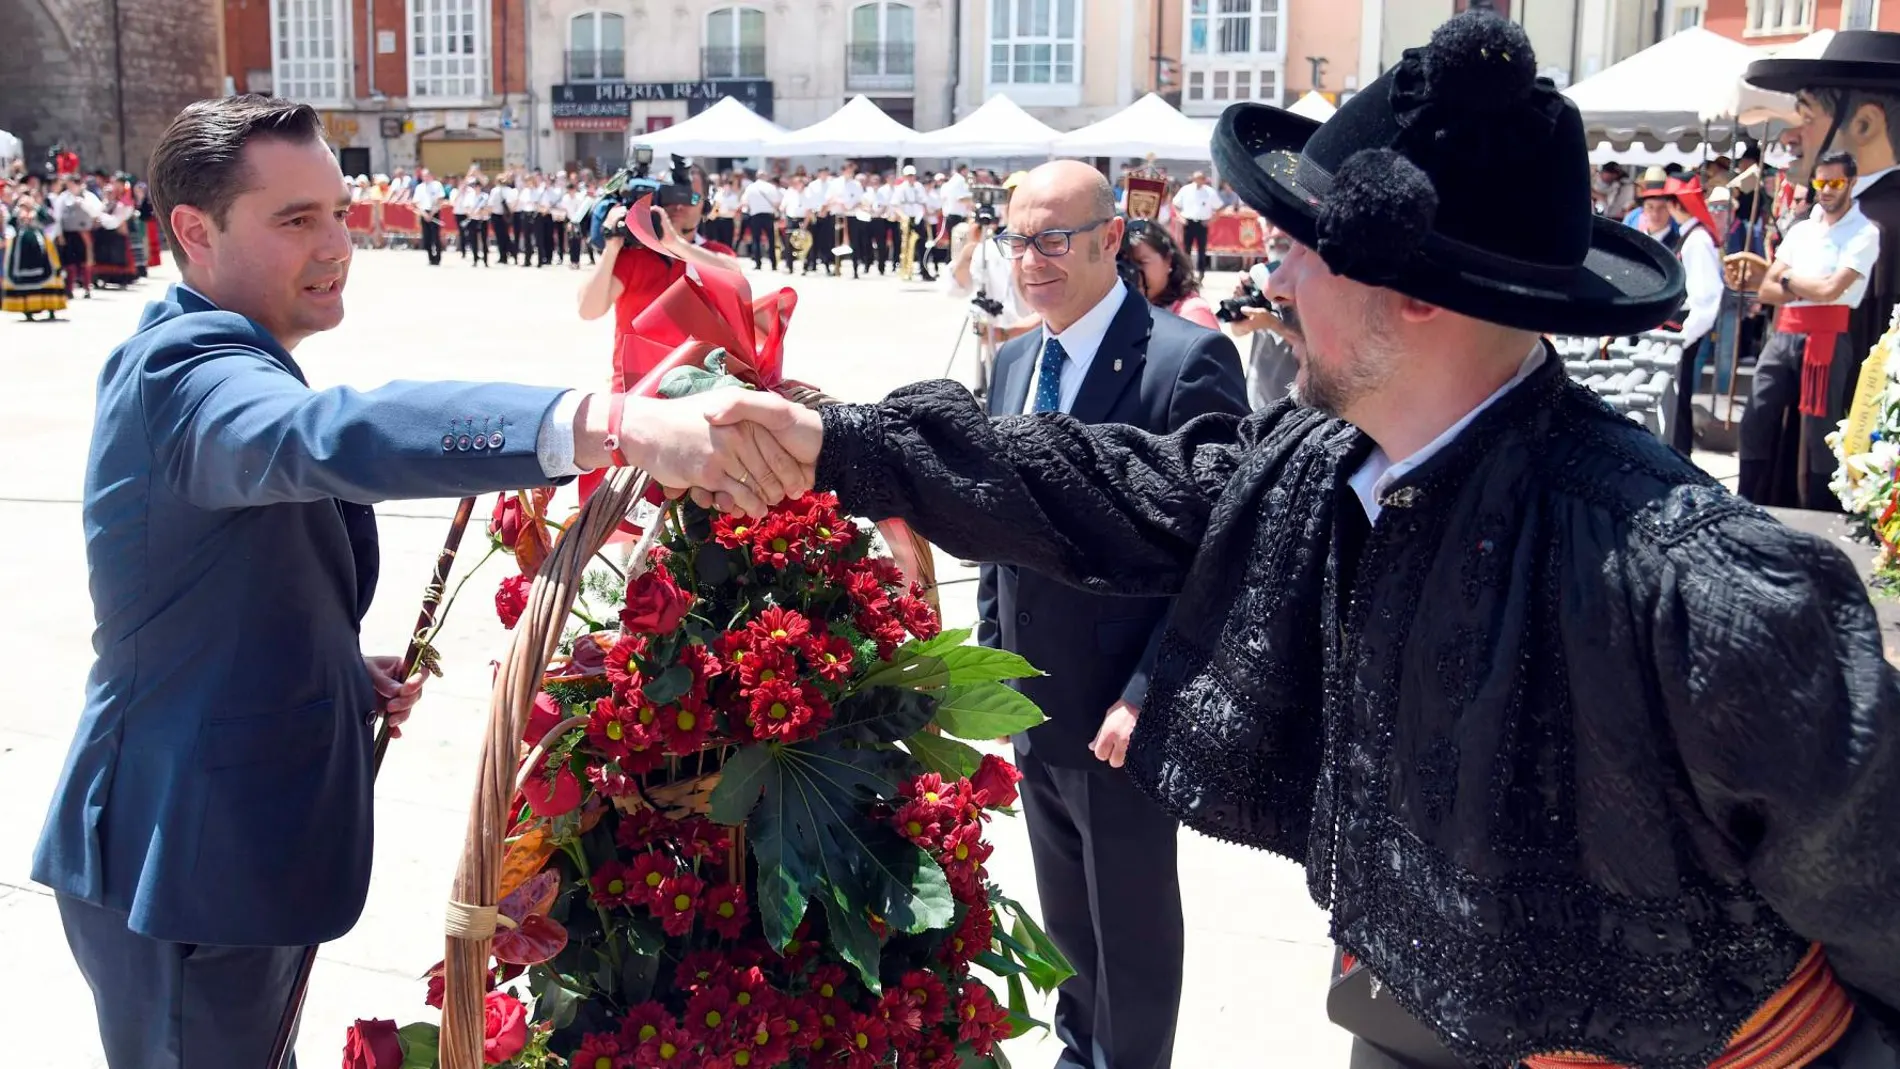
column 733, row 449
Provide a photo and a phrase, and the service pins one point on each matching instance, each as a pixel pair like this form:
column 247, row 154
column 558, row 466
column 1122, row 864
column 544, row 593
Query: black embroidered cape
column 1586, row 755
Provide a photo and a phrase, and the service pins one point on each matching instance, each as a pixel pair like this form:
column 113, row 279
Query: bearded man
column 1592, row 762
column 1849, row 101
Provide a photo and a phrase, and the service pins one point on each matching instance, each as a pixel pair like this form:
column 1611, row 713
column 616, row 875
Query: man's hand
column 614, row 216
column 1111, row 742
column 394, row 698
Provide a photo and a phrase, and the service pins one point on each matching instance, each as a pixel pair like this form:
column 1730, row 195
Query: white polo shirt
column 1197, row 204
column 1815, row 248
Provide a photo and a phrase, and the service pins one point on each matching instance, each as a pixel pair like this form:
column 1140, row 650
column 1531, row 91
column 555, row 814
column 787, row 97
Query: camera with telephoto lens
column 987, row 199
column 1253, row 295
column 634, row 181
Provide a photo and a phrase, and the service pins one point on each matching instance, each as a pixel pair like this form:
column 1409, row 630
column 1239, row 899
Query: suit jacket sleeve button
column 1022, row 619
column 495, row 440
column 462, row 444
column 448, row 443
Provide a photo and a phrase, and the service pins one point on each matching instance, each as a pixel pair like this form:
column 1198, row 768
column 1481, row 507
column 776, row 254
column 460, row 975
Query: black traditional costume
column 32, row 281
column 1583, row 754
column 1867, row 60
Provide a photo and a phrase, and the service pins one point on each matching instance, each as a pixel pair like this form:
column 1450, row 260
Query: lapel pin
column 1118, row 365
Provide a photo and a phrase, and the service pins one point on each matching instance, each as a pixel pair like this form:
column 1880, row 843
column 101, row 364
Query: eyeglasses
column 1829, row 185
column 1048, row 242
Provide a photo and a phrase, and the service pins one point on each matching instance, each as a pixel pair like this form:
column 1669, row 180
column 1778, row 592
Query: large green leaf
column 908, row 669
column 1046, row 964
column 986, row 711
column 813, row 837
column 741, row 779
column 981, row 664
column 419, row 1042
column 943, row 755
column 853, row 939
column 882, row 714
column 944, row 640
column 554, row 1001
column 667, row 688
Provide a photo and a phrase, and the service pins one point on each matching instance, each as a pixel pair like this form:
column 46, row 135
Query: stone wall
column 60, row 80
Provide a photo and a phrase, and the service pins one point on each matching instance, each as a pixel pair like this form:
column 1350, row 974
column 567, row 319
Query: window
column 1223, row 87
column 596, row 47
column 1780, row 16
column 735, row 43
column 883, row 42
column 1860, row 14
column 448, row 49
column 310, row 51
column 1035, row 42
column 1687, row 16
column 1233, row 27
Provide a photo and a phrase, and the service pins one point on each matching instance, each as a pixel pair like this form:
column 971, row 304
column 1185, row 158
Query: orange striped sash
column 1798, row 1024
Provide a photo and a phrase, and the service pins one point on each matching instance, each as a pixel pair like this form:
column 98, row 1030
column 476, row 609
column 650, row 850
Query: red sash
column 1823, row 324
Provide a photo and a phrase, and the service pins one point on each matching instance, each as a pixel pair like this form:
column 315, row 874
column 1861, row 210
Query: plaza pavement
column 1257, row 956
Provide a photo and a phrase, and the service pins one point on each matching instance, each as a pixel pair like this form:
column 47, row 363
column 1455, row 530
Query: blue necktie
column 1049, row 377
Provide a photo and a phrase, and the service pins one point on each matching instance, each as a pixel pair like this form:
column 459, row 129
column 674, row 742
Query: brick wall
column 59, row 81
column 246, row 41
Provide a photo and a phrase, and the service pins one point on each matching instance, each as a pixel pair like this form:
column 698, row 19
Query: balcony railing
column 730, row 61
column 596, row 65
column 880, row 65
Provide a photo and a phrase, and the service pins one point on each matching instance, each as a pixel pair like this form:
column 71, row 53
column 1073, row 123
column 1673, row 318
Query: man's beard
column 1335, row 386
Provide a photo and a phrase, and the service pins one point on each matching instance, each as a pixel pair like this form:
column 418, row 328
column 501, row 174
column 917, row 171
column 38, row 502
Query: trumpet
column 907, row 251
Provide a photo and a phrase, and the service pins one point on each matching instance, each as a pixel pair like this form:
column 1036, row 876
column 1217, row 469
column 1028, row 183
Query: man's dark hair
column 200, row 160
column 1843, row 160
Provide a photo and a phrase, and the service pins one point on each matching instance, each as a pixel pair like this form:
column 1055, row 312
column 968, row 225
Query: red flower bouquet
column 746, row 834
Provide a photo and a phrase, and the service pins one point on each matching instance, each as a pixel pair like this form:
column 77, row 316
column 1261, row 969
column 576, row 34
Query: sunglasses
column 1829, row 185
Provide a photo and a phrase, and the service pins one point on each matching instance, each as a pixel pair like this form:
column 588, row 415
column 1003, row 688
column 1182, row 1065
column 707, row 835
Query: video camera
column 637, row 180
column 987, row 199
column 1254, row 285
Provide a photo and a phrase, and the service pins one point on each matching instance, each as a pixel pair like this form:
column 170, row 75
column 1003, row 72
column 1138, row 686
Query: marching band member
column 795, row 217
column 556, row 248
column 724, row 225
column 760, row 202
column 847, row 204
column 428, row 196
column 503, row 219
column 907, row 202
column 527, row 195
column 877, row 201
column 577, row 206
column 824, row 230
column 473, row 208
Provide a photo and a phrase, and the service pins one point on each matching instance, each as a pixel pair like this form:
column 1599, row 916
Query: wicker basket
column 530, row 652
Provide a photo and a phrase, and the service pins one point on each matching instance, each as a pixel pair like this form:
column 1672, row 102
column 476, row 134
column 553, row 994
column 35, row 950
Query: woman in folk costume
column 1696, row 247
column 1592, row 763
column 115, row 260
column 143, row 197
column 32, row 282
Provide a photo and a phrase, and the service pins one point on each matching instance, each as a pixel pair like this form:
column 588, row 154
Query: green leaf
column 1043, row 974
column 986, row 711
column 853, row 939
column 1018, row 999
column 980, row 664
column 671, row 684
column 638, row 972
column 1031, row 942
column 998, row 964
column 812, row 836
column 554, row 1001
column 882, row 714
column 918, row 672
column 943, row 755
column 945, row 640
column 419, row 1043
column 741, row 779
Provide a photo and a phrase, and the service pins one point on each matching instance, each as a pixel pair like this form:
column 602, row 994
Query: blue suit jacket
column 218, row 788
column 1155, row 371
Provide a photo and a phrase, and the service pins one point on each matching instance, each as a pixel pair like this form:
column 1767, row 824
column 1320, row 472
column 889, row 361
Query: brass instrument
column 907, row 255
column 799, row 238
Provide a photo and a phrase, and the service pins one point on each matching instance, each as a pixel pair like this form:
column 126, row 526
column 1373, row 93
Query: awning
column 591, row 123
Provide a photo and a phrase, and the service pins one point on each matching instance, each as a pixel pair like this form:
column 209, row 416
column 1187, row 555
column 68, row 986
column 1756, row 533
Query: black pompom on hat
column 1374, row 222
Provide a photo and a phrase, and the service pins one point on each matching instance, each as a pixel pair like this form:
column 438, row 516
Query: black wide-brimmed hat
column 1460, row 178
column 1853, row 59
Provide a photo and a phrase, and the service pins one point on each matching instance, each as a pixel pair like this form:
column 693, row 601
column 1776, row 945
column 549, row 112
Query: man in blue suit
column 1104, row 853
column 214, row 815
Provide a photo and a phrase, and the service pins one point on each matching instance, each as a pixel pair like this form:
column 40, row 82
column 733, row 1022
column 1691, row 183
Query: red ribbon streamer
column 691, row 318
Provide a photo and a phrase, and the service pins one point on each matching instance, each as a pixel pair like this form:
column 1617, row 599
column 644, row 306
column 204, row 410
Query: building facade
column 103, row 77
column 1771, row 23
column 400, row 83
column 1574, row 39
column 609, row 69
column 1068, row 62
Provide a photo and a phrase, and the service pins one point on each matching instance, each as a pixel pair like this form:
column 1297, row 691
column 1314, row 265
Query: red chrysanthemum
column 924, row 989
column 900, row 1017
column 778, row 542
column 971, row 938
column 921, row 822
column 641, row 829
column 829, row 657
column 918, row 617
column 828, row 981
column 677, row 903
column 778, row 627
column 937, row 1050
column 598, row 1050
column 962, row 858
column 829, row 531
column 766, row 663
column 686, row 726
column 705, row 664
column 864, row 1039
column 701, row 838
column 670, row 1048
column 649, row 873
column 887, row 571
column 611, row 728
column 511, row 599
column 642, row 1023
column 882, row 627
column 865, row 591
column 801, row 1023
column 724, row 910
column 709, row 1013
column 778, row 710
column 623, row 671
column 614, row 885
column 981, row 1022
column 700, row 968
column 732, row 530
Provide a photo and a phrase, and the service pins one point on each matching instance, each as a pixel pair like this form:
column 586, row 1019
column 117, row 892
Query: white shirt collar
column 1379, row 472
column 1863, row 181
column 1080, row 342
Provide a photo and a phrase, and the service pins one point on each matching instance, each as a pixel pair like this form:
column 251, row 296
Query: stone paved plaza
column 1257, row 956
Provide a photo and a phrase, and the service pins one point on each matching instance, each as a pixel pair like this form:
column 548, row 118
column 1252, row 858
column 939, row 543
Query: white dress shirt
column 844, row 195
column 1814, row 248
column 1079, row 343
column 1702, row 270
column 1197, row 204
column 761, row 197
column 1379, row 472
column 956, row 196
column 792, row 203
column 909, row 199
column 427, row 196
column 726, row 202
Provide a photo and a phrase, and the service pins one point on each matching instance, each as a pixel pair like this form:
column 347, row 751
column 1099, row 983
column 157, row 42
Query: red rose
column 655, row 604
column 994, row 783
column 372, row 1045
column 504, row 526
column 511, row 599
column 553, row 799
column 545, row 716
column 507, row 1033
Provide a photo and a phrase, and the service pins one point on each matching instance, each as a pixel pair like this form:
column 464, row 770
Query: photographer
column 629, row 275
column 1270, row 366
column 980, row 274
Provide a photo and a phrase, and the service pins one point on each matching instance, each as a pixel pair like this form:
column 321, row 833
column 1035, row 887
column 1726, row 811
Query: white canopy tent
column 1313, row 106
column 1756, row 106
column 1148, row 127
column 728, row 128
column 1000, row 128
column 860, row 128
column 1669, row 93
